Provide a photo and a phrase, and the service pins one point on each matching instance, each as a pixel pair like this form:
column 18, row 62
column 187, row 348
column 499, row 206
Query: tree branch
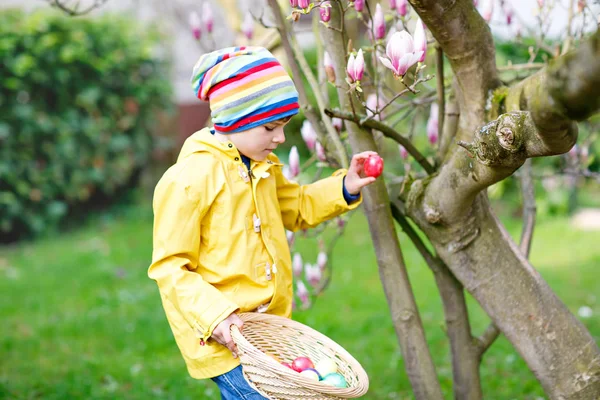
column 465, row 358
column 467, row 42
column 440, row 93
column 300, row 67
column 75, row 11
column 387, row 131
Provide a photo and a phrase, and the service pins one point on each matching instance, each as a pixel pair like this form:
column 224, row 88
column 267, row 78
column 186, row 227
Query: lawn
column 80, row 318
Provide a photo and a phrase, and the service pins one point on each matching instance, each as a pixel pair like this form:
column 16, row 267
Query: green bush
column 79, row 99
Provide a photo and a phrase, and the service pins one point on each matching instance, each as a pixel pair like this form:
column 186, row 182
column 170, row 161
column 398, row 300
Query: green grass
column 80, row 318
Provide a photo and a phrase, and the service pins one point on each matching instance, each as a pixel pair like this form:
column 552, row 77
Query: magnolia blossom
column 287, row 173
column 294, row 3
column 322, row 260
column 337, row 123
column 401, row 53
column 297, row 265
column 325, row 11
column 420, row 39
column 392, row 4
column 302, row 293
column 294, row 162
column 313, row 274
column 248, row 26
column 432, row 124
column 207, row 16
column 341, row 222
column 329, row 70
column 359, row 5
column 378, row 23
column 402, row 7
column 320, row 152
column 403, row 152
column 291, row 237
column 356, row 66
column 540, row 3
column 308, row 134
column 508, row 12
column 475, row 2
column 488, row 10
column 304, row 3
column 195, row 24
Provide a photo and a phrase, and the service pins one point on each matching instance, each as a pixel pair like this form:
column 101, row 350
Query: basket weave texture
column 267, row 335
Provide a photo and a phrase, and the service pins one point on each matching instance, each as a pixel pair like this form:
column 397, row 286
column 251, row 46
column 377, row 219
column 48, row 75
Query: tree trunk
column 392, row 270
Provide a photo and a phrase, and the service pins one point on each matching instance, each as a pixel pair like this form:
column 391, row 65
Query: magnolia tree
column 485, row 123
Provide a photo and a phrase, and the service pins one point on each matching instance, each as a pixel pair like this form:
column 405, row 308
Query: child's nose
column 279, row 136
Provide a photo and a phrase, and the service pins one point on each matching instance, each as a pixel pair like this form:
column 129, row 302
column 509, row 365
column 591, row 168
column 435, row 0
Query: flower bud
column 432, row 124
column 313, row 274
column 356, row 66
column 337, row 123
column 320, row 152
column 420, row 39
column 325, row 11
column 207, row 16
column 359, row 5
column 329, row 70
column 294, row 161
column 291, row 238
column 403, row 152
column 195, row 24
column 294, row 3
column 378, row 23
column 308, row 134
column 322, row 260
column 297, row 265
column 302, row 292
column 304, row 3
column 248, row 26
column 402, row 7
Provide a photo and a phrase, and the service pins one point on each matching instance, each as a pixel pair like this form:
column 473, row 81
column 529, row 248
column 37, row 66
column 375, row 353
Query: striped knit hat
column 246, row 87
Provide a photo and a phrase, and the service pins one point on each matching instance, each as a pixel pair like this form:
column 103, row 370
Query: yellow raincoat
column 220, row 244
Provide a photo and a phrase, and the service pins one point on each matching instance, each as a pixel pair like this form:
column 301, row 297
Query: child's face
column 257, row 143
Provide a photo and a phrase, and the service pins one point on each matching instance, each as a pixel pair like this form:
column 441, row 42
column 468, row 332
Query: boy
column 221, row 212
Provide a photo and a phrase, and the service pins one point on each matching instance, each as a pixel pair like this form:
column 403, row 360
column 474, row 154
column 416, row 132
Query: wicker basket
column 266, row 335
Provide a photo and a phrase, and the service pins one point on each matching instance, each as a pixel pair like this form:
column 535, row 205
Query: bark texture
column 392, row 269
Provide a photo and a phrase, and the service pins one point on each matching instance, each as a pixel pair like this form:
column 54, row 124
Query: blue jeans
column 233, row 386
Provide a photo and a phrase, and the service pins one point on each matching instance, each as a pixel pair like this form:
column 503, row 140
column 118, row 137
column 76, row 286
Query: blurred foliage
column 79, row 100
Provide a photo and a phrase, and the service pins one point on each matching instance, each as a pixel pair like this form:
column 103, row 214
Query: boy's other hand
column 355, row 178
column 222, row 333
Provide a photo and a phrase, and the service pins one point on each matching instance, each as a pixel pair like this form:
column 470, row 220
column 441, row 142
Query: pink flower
column 195, row 24
column 294, row 162
column 291, row 238
column 337, row 123
column 304, row 3
column 475, row 2
column 540, row 3
column 297, row 265
column 309, row 135
column 356, row 66
column 420, row 39
column 302, row 292
column 392, row 4
column 325, row 11
column 508, row 12
column 313, row 274
column 401, row 53
column 320, row 152
column 341, row 222
column 402, row 7
column 488, row 10
column 328, row 65
column 294, row 3
column 432, row 124
column 248, row 26
column 322, row 260
column 207, row 16
column 403, row 152
column 359, row 5
column 379, row 23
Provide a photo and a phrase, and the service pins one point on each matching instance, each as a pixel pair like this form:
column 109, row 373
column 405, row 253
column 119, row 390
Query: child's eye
column 269, row 129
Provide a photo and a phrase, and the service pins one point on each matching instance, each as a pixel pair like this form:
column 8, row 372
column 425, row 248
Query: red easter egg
column 373, row 166
column 302, row 363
